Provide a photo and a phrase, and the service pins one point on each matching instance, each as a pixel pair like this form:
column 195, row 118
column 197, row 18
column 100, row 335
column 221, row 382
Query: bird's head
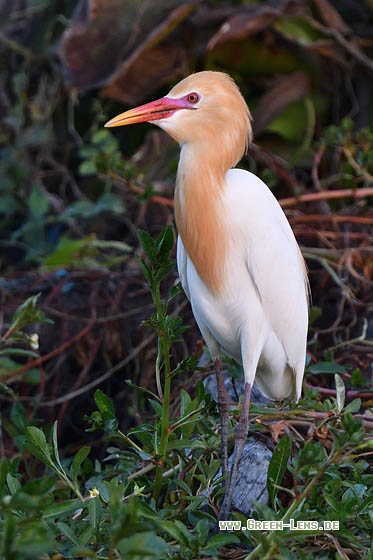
column 205, row 110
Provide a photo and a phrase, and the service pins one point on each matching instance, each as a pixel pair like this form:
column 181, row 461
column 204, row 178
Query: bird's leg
column 240, row 437
column 223, row 405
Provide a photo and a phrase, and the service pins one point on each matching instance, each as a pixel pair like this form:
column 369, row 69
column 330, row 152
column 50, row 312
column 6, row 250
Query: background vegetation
column 94, row 466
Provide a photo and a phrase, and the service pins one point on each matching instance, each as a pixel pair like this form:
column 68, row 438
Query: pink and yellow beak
column 153, row 111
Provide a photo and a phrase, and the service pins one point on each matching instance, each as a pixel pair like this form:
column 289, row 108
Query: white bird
column 238, row 260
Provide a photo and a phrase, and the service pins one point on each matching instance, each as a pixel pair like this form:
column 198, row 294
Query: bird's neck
column 199, row 214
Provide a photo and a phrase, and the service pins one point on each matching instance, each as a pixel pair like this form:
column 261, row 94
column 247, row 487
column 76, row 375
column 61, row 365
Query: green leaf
column 185, row 401
column 148, row 245
column 332, row 501
column 70, row 251
column 146, row 545
column 18, row 416
column 358, row 379
column 353, row 431
column 109, row 202
column 157, row 406
column 32, row 377
column 189, row 363
column 340, row 392
column 297, row 28
column 7, row 366
column 8, row 205
column 147, row 272
column 104, row 403
column 83, row 208
column 162, row 271
column 108, row 420
column 215, row 543
column 326, row 367
column 311, row 458
column 185, row 444
column 5, row 468
column 68, row 532
column 62, row 508
column 354, row 494
column 141, row 389
column 277, row 466
column 353, row 407
column 87, row 167
column 19, row 352
column 165, row 241
column 292, row 123
column 33, row 541
column 177, row 531
column 112, row 244
column 55, row 445
column 85, row 537
column 37, row 444
column 95, row 512
column 27, row 314
column 87, row 209
column 38, row 203
column 13, row 483
column 80, row 456
column 175, row 291
column 184, row 486
column 9, row 531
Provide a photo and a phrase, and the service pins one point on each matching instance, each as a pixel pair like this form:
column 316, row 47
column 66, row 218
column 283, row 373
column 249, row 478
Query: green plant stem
column 63, row 476
column 129, row 441
column 163, row 349
column 15, row 47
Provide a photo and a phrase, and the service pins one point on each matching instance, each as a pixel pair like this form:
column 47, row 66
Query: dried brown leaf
column 331, row 17
column 331, row 50
column 139, row 77
column 104, row 33
column 285, row 90
column 242, row 25
column 277, row 429
column 154, row 62
column 251, row 20
column 322, row 432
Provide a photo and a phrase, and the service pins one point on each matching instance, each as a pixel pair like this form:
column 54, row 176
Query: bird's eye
column 193, row 97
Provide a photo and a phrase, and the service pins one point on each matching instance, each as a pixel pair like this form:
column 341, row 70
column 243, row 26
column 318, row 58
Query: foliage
column 44, row 203
column 79, row 507
column 15, row 341
column 350, row 152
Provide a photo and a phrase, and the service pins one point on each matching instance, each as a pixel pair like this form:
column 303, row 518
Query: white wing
column 181, row 259
column 274, row 263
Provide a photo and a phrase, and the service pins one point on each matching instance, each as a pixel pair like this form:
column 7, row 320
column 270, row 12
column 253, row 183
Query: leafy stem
column 37, row 444
column 158, row 255
column 163, row 355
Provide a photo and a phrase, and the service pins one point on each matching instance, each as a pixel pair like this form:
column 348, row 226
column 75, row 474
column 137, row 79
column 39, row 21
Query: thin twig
column 38, row 361
column 16, row 47
column 327, row 195
column 104, row 376
column 350, row 47
column 360, row 170
column 361, row 338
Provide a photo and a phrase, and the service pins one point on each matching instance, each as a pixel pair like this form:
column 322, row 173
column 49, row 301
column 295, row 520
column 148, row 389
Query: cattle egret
column 237, row 257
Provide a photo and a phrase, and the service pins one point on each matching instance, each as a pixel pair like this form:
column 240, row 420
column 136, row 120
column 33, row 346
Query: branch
column 327, row 195
column 38, row 361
